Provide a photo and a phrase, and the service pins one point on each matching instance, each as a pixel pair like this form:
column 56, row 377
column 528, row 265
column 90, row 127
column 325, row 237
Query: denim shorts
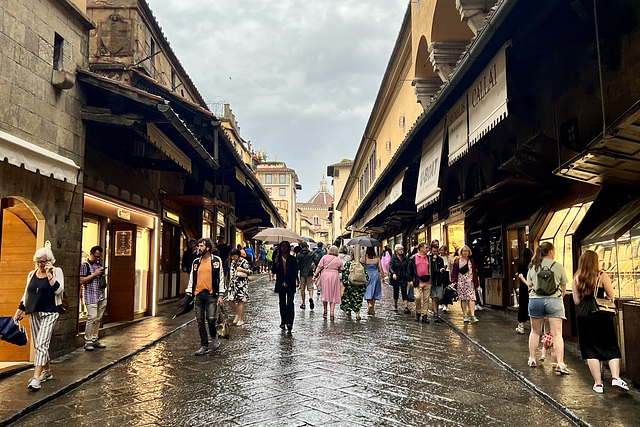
column 550, row 307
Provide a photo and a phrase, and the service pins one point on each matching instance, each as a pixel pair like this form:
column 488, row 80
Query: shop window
column 560, row 231
column 268, row 178
column 617, row 243
column 569, row 134
column 143, row 257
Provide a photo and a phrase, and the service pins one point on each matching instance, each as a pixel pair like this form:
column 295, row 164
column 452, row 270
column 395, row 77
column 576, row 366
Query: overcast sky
column 301, row 77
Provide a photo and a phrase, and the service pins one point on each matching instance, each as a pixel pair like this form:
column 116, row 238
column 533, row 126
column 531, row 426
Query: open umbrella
column 278, row 235
column 185, row 305
column 308, row 239
column 364, row 241
column 11, row 331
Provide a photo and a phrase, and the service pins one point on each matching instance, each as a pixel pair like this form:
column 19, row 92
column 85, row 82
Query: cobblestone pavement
column 383, row 370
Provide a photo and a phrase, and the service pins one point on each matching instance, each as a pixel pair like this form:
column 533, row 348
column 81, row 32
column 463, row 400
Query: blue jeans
column 206, row 314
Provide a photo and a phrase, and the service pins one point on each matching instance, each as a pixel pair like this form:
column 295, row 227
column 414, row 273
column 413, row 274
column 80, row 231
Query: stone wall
column 33, row 109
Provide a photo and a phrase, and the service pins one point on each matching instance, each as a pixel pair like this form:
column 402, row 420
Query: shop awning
column 616, row 225
column 34, row 158
column 612, row 159
column 428, row 190
column 163, row 143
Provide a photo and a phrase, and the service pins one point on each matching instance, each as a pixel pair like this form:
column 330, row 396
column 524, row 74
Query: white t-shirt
column 559, row 275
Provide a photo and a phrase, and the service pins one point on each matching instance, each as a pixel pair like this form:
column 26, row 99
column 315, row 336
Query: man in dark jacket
column 398, row 273
column 206, row 284
column 436, row 265
column 305, row 260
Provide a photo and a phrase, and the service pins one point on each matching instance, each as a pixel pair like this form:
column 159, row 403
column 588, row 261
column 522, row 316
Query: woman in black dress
column 523, row 289
column 285, row 267
column 596, row 333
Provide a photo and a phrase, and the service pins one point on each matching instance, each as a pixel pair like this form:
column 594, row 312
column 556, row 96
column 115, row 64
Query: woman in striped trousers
column 42, row 296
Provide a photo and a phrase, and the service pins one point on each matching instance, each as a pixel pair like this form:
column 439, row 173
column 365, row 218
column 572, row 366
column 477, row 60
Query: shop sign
column 124, row 214
column 171, row 217
column 220, row 218
column 206, row 215
column 123, row 243
column 458, row 130
column 428, row 190
column 487, row 97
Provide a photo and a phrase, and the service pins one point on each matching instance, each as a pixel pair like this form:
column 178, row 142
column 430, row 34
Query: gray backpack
column 546, row 283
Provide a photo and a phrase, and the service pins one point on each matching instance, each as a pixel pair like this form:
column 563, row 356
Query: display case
column 617, row 243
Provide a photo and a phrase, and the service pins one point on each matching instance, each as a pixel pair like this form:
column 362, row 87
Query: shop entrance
column 18, row 242
column 122, row 274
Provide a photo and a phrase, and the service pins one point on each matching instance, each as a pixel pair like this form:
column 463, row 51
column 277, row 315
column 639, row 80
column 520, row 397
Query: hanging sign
column 429, row 173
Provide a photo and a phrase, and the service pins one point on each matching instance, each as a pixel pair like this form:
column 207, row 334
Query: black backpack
column 546, row 283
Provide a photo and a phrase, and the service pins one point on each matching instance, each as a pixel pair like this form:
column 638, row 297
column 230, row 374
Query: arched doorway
column 20, row 227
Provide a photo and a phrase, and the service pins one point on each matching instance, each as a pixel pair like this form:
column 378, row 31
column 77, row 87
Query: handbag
column 64, row 307
column 411, row 295
column 464, row 269
column 103, row 282
column 222, row 324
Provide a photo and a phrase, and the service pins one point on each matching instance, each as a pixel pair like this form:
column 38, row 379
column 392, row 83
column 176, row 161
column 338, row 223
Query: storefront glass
column 560, row 231
column 143, row 256
column 90, row 238
column 436, row 233
column 619, row 255
column 455, row 237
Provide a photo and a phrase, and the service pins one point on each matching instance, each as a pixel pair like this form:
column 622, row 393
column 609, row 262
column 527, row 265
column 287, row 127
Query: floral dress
column 466, row 289
column 238, row 286
column 353, row 294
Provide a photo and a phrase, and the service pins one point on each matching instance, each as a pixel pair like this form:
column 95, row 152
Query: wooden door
column 17, row 246
column 122, row 272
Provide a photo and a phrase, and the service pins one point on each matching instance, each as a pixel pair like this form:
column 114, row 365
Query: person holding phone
column 42, row 296
column 94, row 297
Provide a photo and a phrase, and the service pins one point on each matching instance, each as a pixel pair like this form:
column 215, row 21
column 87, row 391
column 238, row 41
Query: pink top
column 422, row 266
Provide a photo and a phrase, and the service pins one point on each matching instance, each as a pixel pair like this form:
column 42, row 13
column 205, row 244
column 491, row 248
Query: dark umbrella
column 308, row 239
column 364, row 241
column 10, row 331
column 185, row 305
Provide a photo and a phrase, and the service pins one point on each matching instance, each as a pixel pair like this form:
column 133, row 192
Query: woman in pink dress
column 330, row 266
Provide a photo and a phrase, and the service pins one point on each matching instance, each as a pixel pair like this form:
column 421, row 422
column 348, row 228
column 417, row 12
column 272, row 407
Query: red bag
column 547, row 340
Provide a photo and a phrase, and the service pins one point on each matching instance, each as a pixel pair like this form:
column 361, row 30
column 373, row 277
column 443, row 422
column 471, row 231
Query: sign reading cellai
column 487, row 97
column 428, row 190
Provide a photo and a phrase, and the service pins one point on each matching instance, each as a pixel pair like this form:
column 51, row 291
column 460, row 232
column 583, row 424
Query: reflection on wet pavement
column 383, row 370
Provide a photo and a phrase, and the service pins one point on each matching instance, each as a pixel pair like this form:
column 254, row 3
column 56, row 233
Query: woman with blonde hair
column 330, row 265
column 542, row 304
column 465, row 276
column 596, row 333
column 41, row 300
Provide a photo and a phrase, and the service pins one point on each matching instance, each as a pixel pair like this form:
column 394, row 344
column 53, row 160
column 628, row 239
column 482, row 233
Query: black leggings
column 523, row 303
column 396, row 291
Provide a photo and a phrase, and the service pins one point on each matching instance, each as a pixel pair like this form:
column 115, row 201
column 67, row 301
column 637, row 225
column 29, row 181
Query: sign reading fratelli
column 428, row 190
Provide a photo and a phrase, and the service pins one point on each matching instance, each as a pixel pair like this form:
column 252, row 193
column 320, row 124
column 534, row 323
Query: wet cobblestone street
column 384, row 370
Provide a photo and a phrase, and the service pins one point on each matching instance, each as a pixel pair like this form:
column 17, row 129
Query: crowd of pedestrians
column 429, row 277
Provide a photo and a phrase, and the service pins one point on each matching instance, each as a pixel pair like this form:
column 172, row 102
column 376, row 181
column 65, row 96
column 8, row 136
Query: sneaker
column 425, row 319
column 619, row 382
column 98, row 344
column 542, row 357
column 417, row 317
column 311, row 305
column 407, row 311
column 598, row 388
column 430, row 312
column 46, row 375
column 474, row 319
column 88, row 346
column 215, row 343
column 520, row 329
column 465, row 319
column 202, row 350
column 532, row 362
column 34, row 384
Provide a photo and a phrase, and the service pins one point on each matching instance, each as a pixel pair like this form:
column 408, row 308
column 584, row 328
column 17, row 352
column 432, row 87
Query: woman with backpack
column 596, row 331
column 353, row 294
column 547, row 282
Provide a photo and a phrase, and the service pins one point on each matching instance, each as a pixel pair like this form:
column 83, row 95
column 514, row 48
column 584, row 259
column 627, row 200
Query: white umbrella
column 278, row 235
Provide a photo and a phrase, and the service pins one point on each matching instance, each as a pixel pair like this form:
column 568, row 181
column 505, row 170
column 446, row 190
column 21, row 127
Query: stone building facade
column 316, row 210
column 42, row 43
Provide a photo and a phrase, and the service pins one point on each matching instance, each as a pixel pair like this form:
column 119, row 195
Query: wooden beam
column 104, row 115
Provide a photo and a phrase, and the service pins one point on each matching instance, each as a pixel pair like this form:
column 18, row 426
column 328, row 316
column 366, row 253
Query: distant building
column 340, row 173
column 282, row 185
column 317, row 210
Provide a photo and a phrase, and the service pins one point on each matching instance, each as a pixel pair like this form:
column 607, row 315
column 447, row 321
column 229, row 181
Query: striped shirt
column 92, row 292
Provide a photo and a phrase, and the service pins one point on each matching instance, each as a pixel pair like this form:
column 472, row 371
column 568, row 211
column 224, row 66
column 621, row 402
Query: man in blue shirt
column 251, row 255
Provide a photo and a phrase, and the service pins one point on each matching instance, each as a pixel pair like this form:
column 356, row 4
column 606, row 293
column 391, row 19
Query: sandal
column 332, row 318
column 561, row 369
column 532, row 362
column 324, row 315
column 303, row 306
